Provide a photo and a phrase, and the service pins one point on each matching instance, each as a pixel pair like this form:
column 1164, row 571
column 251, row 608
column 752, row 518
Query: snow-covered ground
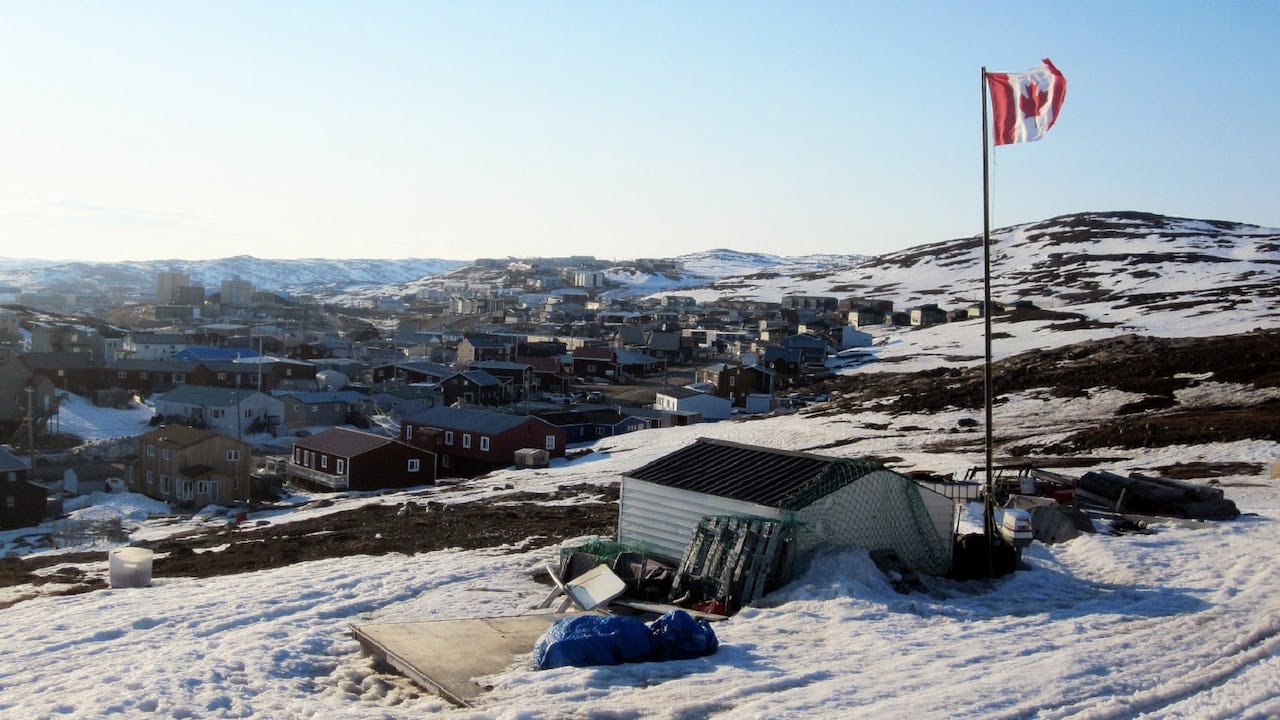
column 1180, row 623
column 1184, row 622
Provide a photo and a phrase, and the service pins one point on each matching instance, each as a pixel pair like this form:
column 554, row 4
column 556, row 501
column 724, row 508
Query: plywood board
column 445, row 655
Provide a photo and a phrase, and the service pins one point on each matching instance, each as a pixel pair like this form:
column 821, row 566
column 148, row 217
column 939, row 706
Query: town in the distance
column 499, row 362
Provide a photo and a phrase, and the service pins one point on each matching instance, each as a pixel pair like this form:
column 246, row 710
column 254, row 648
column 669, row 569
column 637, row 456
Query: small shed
column 832, row 502
column 532, row 458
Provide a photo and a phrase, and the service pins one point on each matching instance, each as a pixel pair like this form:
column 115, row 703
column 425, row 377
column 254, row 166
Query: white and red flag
column 1025, row 105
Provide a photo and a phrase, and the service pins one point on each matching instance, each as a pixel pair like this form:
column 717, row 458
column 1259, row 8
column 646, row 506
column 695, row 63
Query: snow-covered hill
column 1087, row 262
column 307, row 275
column 1147, row 261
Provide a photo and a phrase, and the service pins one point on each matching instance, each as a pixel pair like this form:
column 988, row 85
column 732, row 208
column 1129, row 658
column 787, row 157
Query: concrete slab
column 444, row 655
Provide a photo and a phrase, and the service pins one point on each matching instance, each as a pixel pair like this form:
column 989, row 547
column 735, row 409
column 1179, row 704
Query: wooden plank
column 664, row 608
column 444, row 655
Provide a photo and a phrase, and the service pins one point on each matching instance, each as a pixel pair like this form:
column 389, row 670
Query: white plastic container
column 130, row 567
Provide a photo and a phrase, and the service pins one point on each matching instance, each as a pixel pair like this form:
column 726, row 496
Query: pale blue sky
column 143, row 130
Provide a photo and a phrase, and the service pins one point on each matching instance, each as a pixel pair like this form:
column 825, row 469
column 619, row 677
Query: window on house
column 551, row 442
column 233, row 455
column 414, row 464
column 448, row 437
column 466, row 440
column 151, row 451
column 202, row 487
column 144, row 375
column 341, row 466
column 184, row 489
column 408, row 432
column 222, row 376
column 732, row 380
column 122, row 375
column 164, row 483
column 484, row 444
column 179, row 377
column 164, row 454
column 324, row 461
column 297, row 455
column 315, row 408
column 151, row 478
column 248, row 413
column 446, row 461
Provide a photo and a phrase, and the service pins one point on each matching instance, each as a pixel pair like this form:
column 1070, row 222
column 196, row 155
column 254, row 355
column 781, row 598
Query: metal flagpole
column 988, row 513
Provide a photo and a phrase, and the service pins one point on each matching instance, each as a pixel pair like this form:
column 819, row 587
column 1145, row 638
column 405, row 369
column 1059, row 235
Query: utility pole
column 31, row 424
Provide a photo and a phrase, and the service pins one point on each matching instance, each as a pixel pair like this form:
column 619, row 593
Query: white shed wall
column 662, row 518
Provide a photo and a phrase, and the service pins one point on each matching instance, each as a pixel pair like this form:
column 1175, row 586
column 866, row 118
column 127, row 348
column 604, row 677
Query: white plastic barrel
column 130, row 567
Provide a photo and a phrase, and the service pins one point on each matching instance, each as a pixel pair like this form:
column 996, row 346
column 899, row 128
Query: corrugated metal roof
column 765, row 476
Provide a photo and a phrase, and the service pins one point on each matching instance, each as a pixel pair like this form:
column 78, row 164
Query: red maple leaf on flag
column 1030, row 103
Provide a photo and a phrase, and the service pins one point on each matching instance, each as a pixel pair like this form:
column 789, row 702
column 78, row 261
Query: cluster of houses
column 431, row 401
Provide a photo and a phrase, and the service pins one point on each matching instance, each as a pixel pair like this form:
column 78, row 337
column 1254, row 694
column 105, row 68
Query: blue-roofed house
column 590, row 424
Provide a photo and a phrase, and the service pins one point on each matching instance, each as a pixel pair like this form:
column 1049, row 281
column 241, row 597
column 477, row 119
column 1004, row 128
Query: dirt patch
column 1144, row 365
column 1184, row 427
column 522, row 521
column 1199, row 470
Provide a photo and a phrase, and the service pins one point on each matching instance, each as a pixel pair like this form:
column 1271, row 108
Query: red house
column 344, row 459
column 473, row 442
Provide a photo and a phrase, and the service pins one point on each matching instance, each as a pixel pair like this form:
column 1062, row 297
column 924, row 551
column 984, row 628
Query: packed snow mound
column 132, row 506
column 80, row 417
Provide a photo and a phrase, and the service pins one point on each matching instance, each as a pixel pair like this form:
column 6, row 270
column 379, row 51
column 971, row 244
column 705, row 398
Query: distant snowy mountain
column 307, row 275
column 1127, row 263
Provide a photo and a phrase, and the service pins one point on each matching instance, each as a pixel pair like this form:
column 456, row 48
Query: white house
column 227, row 411
column 682, row 399
column 852, row 337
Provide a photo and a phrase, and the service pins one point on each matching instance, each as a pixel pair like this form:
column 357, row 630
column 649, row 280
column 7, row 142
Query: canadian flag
column 1025, row 105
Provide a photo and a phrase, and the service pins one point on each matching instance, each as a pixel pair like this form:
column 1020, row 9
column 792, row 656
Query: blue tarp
column 587, row 640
